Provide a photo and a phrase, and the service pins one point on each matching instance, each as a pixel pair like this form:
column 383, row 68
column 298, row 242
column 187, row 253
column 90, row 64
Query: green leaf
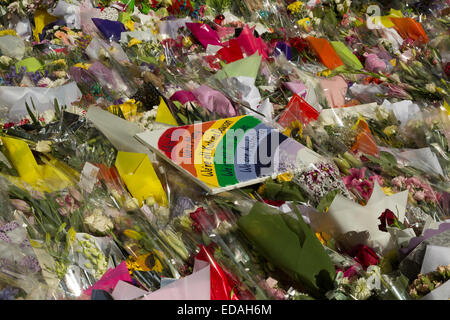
column 388, row 158
column 33, row 118
column 326, row 201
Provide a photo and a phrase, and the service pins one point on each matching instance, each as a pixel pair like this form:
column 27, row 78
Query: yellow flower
column 388, row 191
column 294, row 130
column 82, row 65
column 389, row 131
column 284, row 177
column 145, row 262
column 133, row 42
column 261, row 189
column 295, row 7
column 59, row 61
column 8, row 32
column 162, row 57
column 130, row 25
column 323, row 237
column 324, row 73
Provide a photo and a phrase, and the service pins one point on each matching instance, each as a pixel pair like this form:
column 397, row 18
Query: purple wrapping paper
column 214, row 101
column 183, row 96
column 283, row 48
column 59, row 22
column 110, row 29
column 414, row 242
column 204, row 34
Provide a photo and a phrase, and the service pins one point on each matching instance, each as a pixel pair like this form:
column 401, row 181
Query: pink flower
column 356, row 181
column 365, row 189
column 399, row 182
column 355, row 174
column 413, row 181
column 419, row 196
column 378, row 178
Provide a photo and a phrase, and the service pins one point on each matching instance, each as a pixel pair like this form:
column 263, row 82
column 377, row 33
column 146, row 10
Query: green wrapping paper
column 247, row 67
column 290, row 245
column 349, row 59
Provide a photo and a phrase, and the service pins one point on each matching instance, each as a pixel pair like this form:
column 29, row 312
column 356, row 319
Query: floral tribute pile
column 357, row 91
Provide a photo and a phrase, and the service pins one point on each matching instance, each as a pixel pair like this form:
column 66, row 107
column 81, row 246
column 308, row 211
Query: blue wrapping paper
column 110, row 29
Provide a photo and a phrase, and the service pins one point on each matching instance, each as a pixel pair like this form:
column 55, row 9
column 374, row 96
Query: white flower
column 48, row 115
column 44, row 146
column 57, row 83
column 431, row 87
column 44, row 82
column 5, row 60
column 162, row 213
column 75, row 110
column 131, row 204
column 340, row 7
column 361, row 291
column 152, row 113
column 97, row 222
column 60, row 74
column 317, row 21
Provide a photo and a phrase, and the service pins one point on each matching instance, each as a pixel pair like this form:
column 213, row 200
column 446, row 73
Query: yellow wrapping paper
column 138, row 174
column 41, row 19
column 48, row 177
column 164, row 115
column 128, row 108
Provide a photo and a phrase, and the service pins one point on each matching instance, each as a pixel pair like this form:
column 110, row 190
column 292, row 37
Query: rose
column 387, row 218
column 364, row 255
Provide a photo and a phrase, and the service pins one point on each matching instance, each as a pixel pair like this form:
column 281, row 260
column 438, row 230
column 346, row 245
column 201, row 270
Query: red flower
column 275, row 203
column 219, row 19
column 202, row 220
column 298, row 43
column 364, row 255
column 8, row 125
column 387, row 218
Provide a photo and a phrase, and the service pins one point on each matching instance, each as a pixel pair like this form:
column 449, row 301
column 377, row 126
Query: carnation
column 97, row 222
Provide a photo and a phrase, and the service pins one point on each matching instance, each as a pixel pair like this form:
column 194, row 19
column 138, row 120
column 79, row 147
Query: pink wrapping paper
column 214, row 101
column 87, row 12
column 110, row 279
column 296, row 87
column 196, row 286
column 373, row 63
column 335, row 89
column 249, row 43
column 204, row 34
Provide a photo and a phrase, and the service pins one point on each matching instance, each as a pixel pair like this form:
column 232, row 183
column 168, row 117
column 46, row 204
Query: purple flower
column 4, row 237
column 30, row 263
column 9, row 293
column 9, row 226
